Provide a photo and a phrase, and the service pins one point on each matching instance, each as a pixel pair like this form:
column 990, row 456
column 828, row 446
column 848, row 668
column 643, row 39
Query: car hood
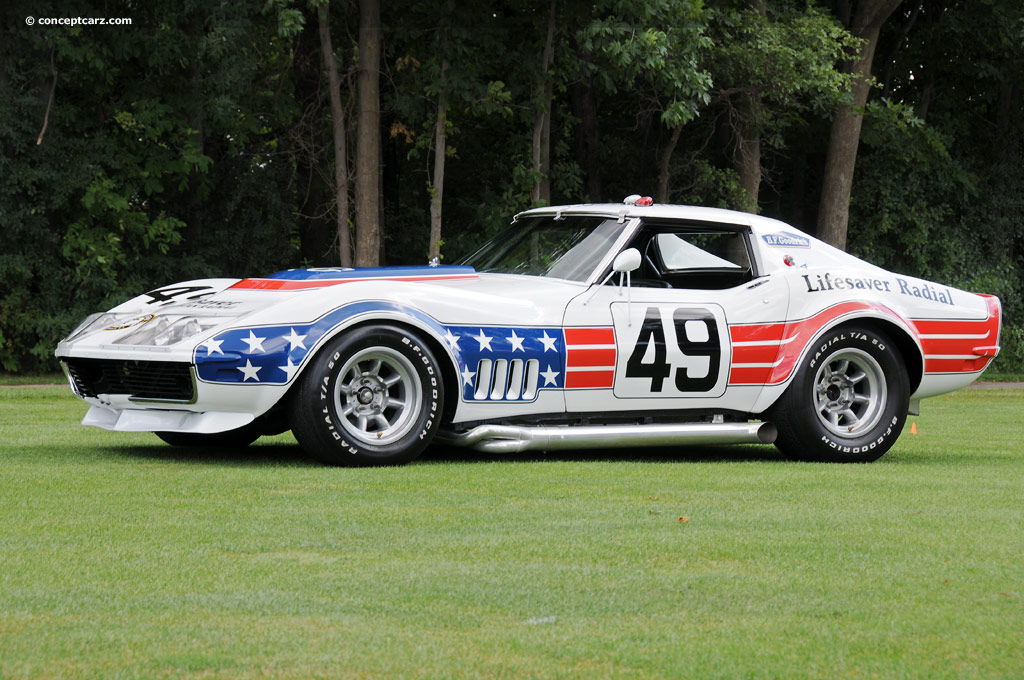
column 452, row 295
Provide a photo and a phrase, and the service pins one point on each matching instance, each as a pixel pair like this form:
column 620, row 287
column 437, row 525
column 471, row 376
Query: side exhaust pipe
column 513, row 439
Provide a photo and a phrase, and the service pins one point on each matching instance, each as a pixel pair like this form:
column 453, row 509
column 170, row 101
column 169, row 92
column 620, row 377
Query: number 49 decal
column 674, row 353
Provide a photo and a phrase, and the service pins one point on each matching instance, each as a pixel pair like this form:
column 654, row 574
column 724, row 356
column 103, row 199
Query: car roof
column 757, row 223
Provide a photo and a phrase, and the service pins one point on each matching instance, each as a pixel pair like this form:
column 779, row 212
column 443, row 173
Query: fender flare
column 314, row 336
column 799, row 336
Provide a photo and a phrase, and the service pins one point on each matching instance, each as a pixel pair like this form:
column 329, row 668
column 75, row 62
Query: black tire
column 848, row 401
column 232, row 439
column 372, row 396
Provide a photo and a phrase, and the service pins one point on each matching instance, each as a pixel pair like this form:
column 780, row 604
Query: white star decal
column 453, row 340
column 485, row 342
column 213, row 346
column 549, row 376
column 517, row 342
column 250, row 371
column 289, row 368
column 467, row 376
column 549, row 343
column 255, row 344
column 294, row 340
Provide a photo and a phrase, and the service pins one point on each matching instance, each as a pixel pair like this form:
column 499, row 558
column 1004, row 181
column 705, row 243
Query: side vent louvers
column 504, row 380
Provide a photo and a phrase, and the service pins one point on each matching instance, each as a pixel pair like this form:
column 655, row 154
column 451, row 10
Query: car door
column 664, row 340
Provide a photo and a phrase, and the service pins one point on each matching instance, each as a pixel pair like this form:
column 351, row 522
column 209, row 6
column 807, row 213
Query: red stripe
column 583, row 379
column 589, row 336
column 283, row 284
column 590, row 357
column 929, row 327
column 955, row 365
column 750, row 376
column 802, row 333
column 988, row 327
column 807, row 329
column 757, row 354
column 953, row 345
column 757, row 332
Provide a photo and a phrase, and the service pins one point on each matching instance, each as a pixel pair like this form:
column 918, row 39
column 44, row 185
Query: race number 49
column 692, row 364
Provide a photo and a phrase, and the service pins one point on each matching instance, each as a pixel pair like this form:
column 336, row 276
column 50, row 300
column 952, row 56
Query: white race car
column 582, row 326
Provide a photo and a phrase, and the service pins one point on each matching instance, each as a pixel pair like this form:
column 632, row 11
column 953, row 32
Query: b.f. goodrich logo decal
column 784, row 239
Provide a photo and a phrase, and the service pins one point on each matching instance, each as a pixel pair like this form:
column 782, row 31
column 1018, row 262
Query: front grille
column 165, row 380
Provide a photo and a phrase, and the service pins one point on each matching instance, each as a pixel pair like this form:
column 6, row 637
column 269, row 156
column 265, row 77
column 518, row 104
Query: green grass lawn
column 121, row 557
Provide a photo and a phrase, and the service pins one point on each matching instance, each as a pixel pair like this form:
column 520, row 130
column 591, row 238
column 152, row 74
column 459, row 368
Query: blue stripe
column 330, row 273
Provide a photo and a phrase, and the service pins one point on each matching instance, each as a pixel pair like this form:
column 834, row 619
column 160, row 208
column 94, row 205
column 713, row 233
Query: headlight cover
column 164, row 331
column 93, row 321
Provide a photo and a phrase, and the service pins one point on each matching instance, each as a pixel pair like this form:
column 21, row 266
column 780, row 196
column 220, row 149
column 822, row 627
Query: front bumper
column 142, row 395
column 160, row 420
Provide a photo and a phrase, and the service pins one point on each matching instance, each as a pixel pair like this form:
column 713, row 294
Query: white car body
column 518, row 347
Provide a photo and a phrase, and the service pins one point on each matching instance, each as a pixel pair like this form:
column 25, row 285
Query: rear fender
column 799, row 336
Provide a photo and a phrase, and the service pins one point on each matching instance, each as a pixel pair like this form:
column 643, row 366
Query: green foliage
column 138, row 164
column 661, row 41
column 197, row 141
column 1010, row 361
column 714, row 187
column 908, row 189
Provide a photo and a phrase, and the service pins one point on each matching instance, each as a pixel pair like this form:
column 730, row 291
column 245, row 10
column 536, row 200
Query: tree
column 771, row 67
column 368, row 137
column 541, row 143
column 864, row 21
column 339, row 133
column 653, row 49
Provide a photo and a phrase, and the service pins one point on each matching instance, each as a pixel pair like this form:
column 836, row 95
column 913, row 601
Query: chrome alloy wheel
column 849, row 393
column 377, row 396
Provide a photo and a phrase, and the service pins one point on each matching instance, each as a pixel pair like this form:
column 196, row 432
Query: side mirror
column 627, row 261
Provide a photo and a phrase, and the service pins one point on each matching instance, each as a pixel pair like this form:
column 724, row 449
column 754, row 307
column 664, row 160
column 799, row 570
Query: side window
column 688, row 251
column 693, row 256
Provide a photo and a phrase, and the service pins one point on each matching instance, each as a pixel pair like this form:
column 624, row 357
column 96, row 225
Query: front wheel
column 373, row 396
column 848, row 401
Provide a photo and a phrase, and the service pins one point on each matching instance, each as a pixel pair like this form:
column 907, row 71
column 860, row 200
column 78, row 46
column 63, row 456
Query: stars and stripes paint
column 514, row 364
column 261, row 355
column 268, row 354
column 507, row 364
column 590, row 358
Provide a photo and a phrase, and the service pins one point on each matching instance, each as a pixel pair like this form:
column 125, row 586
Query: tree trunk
column 194, row 232
column 587, row 138
column 747, row 153
column 542, row 119
column 841, row 159
column 338, row 129
column 437, row 184
column 3, row 68
column 368, row 136
column 747, row 158
column 664, row 174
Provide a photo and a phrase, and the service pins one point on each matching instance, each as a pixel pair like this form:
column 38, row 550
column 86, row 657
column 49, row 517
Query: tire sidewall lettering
column 806, row 437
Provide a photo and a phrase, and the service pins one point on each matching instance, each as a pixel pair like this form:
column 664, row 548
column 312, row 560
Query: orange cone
column 913, row 428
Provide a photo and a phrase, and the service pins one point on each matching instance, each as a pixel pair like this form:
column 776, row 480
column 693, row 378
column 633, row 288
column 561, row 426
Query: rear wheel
column 848, row 401
column 373, row 396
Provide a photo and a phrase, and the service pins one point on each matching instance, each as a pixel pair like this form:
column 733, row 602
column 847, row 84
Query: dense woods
column 223, row 139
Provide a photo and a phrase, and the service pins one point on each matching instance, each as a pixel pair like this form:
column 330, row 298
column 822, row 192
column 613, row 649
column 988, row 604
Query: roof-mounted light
column 637, row 199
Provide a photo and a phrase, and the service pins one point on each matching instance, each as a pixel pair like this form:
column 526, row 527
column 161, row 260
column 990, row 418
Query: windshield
column 567, row 248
